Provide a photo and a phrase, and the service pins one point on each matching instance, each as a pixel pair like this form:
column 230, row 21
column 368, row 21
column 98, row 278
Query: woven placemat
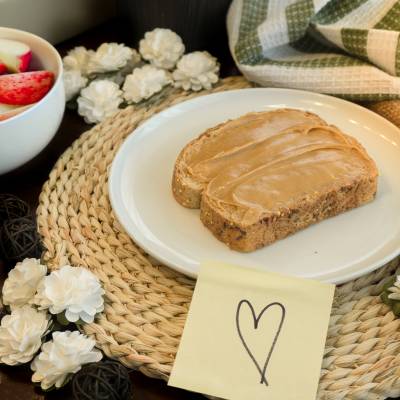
column 147, row 303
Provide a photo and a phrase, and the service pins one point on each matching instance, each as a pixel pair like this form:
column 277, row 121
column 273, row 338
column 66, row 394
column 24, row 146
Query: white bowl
column 23, row 136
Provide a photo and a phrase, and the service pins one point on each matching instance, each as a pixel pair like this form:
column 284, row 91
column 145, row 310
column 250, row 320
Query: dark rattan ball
column 19, row 239
column 107, row 380
column 12, row 207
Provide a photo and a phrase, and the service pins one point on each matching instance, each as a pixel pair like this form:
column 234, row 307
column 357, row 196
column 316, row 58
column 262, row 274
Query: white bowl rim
column 4, row 30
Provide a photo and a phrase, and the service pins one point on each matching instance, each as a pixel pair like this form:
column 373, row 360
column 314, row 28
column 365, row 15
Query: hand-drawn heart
column 256, row 320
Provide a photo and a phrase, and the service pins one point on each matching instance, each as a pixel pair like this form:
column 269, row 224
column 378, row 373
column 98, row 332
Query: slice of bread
column 266, row 175
column 188, row 186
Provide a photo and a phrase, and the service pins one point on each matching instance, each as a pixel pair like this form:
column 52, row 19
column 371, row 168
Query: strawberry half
column 25, row 88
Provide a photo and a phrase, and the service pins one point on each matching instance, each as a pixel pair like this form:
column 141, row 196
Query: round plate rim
column 131, row 137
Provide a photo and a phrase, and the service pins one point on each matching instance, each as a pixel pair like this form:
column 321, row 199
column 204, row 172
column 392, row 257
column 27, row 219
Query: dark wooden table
column 26, row 182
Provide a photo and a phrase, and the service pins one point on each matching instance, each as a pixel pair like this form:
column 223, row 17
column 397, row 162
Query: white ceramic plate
column 334, row 250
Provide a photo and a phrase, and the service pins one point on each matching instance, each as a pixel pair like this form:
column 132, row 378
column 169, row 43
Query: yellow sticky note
column 253, row 335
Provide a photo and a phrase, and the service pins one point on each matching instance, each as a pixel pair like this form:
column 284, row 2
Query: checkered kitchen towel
column 348, row 48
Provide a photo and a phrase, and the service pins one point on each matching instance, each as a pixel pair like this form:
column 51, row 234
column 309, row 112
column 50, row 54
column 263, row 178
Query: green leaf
column 61, row 319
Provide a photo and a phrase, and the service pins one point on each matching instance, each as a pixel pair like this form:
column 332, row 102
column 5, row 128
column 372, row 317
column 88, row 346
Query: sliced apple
column 15, row 55
column 5, row 108
column 8, row 111
column 25, row 88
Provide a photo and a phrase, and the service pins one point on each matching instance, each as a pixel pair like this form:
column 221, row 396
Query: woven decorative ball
column 107, row 380
column 19, row 239
column 12, row 207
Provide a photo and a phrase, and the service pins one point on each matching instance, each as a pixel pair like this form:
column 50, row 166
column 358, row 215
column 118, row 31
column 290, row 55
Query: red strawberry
column 25, row 87
column 3, row 68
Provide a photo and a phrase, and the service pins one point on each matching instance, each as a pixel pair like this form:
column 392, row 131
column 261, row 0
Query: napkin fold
column 347, row 48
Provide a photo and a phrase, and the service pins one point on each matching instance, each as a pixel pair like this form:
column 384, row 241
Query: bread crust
column 280, row 225
column 187, row 194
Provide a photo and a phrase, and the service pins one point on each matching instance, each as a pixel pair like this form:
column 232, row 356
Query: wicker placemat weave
column 147, row 303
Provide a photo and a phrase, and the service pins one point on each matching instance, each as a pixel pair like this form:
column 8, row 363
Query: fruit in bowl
column 32, row 98
column 8, row 111
column 20, row 87
column 15, row 56
column 25, row 88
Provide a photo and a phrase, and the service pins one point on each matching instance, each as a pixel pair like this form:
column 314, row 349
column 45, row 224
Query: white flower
column 76, row 291
column 63, row 356
column 395, row 289
column 144, row 82
column 162, row 47
column 109, row 57
column 132, row 62
column 77, row 59
column 99, row 100
column 119, row 76
column 22, row 282
column 73, row 83
column 21, row 334
column 196, row 71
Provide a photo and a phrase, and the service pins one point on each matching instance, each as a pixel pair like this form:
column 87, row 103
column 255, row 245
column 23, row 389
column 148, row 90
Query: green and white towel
column 348, row 48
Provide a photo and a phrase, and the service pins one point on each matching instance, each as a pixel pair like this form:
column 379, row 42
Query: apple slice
column 5, row 108
column 8, row 111
column 16, row 56
column 25, row 87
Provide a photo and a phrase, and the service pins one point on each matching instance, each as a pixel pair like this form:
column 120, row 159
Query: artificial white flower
column 144, row 82
column 73, row 83
column 196, row 71
column 99, row 100
column 132, row 62
column 77, row 59
column 395, row 289
column 61, row 357
column 109, row 57
column 162, row 47
column 75, row 290
column 21, row 334
column 119, row 76
column 22, row 282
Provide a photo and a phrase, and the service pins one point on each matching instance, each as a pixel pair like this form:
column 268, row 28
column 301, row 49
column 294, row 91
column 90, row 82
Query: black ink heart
column 256, row 321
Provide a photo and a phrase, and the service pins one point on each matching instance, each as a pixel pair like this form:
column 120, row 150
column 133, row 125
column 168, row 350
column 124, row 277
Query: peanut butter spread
column 262, row 167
